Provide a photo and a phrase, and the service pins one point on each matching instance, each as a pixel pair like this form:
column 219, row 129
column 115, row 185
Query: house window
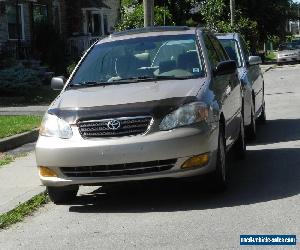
column 94, row 22
column 15, row 21
column 40, row 13
column 105, row 21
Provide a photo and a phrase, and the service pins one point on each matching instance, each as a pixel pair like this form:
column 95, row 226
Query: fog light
column 47, row 172
column 196, row 161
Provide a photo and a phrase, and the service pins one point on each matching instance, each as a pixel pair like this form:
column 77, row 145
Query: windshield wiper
column 175, row 77
column 129, row 80
column 88, row 84
column 133, row 79
column 152, row 78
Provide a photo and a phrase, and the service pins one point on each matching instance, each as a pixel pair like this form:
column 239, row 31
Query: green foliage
column 271, row 16
column 216, row 16
column 18, row 81
column 133, row 16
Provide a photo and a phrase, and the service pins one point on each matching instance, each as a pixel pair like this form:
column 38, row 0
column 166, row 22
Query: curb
column 18, row 140
column 269, row 68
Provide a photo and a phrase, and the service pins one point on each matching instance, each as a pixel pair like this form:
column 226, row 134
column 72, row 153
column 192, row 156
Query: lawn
column 271, row 56
column 12, row 125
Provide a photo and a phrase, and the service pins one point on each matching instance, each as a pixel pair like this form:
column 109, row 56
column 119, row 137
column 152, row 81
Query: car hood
column 142, row 98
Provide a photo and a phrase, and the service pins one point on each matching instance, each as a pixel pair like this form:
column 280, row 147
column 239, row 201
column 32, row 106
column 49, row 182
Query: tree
column 271, row 16
column 132, row 16
column 216, row 15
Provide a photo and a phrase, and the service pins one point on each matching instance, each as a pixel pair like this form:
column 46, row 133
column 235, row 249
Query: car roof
column 227, row 35
column 151, row 31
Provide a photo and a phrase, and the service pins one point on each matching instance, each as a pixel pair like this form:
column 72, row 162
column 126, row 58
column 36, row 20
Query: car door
column 255, row 76
column 226, row 88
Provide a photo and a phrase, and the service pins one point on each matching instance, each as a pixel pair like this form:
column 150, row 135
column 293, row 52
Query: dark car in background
column 252, row 80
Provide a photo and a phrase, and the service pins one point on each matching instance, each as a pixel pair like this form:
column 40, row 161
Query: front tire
column 62, row 195
column 219, row 176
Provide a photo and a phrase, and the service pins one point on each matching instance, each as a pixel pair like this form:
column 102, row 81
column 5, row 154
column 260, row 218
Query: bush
column 18, row 81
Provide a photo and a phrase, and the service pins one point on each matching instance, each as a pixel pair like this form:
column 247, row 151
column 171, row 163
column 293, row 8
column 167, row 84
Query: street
column 263, row 198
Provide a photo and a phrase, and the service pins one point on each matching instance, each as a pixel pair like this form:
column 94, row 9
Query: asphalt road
column 264, row 197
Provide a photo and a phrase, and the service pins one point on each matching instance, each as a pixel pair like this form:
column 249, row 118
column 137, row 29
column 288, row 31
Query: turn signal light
column 47, row 172
column 196, row 161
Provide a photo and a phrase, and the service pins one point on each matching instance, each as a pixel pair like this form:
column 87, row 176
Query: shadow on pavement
column 283, row 130
column 265, row 175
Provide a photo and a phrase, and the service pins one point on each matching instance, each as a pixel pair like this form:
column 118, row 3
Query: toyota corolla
column 143, row 104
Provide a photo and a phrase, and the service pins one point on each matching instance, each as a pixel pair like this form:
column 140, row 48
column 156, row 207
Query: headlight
column 53, row 126
column 185, row 115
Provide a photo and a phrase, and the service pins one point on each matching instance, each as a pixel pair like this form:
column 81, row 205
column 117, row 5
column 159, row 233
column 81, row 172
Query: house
column 79, row 22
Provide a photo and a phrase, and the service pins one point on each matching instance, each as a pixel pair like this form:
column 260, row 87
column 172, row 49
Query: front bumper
column 180, row 144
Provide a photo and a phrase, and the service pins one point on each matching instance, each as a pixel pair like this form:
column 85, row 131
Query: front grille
column 103, row 128
column 119, row 169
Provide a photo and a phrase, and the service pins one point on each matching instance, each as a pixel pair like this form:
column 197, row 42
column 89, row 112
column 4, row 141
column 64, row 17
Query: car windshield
column 288, row 46
column 154, row 57
column 233, row 51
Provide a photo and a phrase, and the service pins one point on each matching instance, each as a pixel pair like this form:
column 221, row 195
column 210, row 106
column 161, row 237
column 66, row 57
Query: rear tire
column 219, row 176
column 240, row 146
column 251, row 129
column 62, row 195
column 263, row 118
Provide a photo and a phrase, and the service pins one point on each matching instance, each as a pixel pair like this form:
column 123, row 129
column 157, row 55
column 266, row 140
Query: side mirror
column 58, row 83
column 254, row 60
column 226, row 67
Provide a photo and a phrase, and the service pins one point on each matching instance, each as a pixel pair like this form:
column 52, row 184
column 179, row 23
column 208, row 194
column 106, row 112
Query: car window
column 244, row 48
column 232, row 49
column 146, row 57
column 219, row 48
column 212, row 53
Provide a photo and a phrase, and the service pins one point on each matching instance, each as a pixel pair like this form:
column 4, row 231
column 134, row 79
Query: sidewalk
column 19, row 182
column 23, row 110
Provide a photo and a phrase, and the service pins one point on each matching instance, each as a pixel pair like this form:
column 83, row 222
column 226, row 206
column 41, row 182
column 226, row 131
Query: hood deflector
column 157, row 109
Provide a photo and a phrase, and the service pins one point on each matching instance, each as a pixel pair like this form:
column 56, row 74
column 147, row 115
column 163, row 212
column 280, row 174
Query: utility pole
column 232, row 12
column 148, row 13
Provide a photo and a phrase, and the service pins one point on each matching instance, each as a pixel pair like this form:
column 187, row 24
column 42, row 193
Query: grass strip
column 21, row 211
column 16, row 124
column 7, row 158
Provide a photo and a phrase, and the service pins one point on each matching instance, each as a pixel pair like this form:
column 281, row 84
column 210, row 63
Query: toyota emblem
column 114, row 124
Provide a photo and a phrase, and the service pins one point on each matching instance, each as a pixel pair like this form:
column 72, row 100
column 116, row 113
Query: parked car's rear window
column 233, row 51
column 168, row 55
